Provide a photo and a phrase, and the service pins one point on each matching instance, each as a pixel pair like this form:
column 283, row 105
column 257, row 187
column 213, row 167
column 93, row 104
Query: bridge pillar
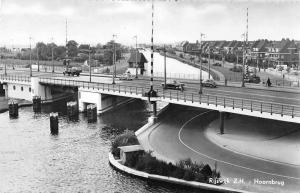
column 222, row 119
column 86, row 98
column 40, row 90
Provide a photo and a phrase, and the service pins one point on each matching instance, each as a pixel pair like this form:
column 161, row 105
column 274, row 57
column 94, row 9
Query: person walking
column 269, row 82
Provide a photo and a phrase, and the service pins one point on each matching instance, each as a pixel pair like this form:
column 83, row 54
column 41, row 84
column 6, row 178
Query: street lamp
column 200, row 56
column 165, row 66
column 37, row 57
column 208, row 62
column 30, row 56
column 136, row 54
column 114, row 62
column 52, row 61
column 243, row 69
column 90, row 63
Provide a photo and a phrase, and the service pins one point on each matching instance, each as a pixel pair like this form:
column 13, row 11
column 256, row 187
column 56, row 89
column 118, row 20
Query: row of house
column 281, row 52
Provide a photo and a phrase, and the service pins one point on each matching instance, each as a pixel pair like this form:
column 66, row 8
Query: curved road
column 181, row 135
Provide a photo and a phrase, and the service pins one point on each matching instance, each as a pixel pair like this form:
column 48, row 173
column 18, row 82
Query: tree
column 72, row 48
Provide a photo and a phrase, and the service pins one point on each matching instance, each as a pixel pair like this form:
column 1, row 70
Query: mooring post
column 36, row 104
column 222, row 122
column 154, row 109
column 13, row 108
column 54, row 123
column 92, row 113
column 72, row 109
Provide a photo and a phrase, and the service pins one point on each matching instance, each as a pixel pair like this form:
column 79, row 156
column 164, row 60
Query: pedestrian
column 269, row 82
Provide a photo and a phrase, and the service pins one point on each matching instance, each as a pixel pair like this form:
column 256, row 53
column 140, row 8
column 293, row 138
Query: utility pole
column 208, row 62
column 114, row 62
column 200, row 57
column 165, row 66
column 136, row 54
column 37, row 56
column 52, row 55
column 90, row 63
column 152, row 92
column 30, row 56
column 243, row 69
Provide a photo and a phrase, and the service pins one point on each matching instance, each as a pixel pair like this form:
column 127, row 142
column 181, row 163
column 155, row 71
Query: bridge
column 257, row 102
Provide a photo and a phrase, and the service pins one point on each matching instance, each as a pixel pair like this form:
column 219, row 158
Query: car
column 252, row 79
column 173, row 84
column 125, row 76
column 209, row 83
column 72, row 71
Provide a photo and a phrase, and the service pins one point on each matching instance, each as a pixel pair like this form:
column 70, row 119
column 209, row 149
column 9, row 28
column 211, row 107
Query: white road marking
column 221, row 161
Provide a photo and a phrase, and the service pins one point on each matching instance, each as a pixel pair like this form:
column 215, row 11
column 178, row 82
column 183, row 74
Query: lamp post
column 243, row 69
column 200, row 57
column 52, row 55
column 165, row 66
column 208, row 62
column 37, row 57
column 136, row 55
column 30, row 56
column 114, row 62
column 90, row 66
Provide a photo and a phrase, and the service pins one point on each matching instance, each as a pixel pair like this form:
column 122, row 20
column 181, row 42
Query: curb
column 170, row 180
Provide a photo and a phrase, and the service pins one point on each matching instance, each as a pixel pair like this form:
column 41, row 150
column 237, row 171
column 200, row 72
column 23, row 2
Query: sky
column 95, row 21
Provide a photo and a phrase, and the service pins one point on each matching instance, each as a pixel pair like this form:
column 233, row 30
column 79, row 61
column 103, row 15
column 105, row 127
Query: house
column 258, row 51
column 136, row 63
column 284, row 52
column 182, row 46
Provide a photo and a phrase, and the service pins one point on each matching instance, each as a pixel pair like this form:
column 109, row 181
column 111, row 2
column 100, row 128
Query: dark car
column 173, row 84
column 252, row 79
column 209, row 83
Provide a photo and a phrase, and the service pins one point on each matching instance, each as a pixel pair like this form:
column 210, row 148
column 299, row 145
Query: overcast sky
column 93, row 21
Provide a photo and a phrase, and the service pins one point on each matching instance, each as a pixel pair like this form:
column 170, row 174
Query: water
column 175, row 68
column 31, row 160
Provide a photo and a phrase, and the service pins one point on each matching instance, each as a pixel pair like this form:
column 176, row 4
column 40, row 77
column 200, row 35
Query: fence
column 252, row 105
column 21, row 78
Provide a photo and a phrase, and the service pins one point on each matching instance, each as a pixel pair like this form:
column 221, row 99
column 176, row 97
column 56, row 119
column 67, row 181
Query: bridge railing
column 96, row 86
column 231, row 102
column 22, row 78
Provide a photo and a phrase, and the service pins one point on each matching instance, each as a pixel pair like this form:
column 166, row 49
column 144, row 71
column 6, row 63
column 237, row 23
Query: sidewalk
column 262, row 139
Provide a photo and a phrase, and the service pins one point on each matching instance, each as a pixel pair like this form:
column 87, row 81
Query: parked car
column 125, row 76
column 217, row 64
column 252, row 79
column 209, row 83
column 173, row 84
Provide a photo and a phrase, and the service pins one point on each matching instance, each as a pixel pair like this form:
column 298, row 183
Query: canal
column 175, row 68
column 32, row 160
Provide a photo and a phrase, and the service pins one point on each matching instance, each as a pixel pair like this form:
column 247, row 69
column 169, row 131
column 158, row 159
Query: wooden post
column 222, row 122
column 54, row 123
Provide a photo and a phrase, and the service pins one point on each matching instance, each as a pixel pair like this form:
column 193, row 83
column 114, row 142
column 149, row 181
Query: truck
column 71, row 70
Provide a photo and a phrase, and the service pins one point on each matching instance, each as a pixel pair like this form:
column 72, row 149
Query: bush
column 127, row 138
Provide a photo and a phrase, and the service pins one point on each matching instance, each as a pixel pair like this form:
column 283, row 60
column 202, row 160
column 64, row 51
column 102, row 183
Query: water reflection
column 32, row 160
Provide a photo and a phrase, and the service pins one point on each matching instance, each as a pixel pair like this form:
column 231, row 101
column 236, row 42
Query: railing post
column 251, row 107
column 232, row 103
column 200, row 98
column 207, row 99
column 192, row 98
column 119, row 89
column 242, row 104
column 171, row 96
column 271, row 109
column 261, row 107
column 216, row 101
column 130, row 89
column 103, row 86
column 281, row 110
column 224, row 102
column 184, row 97
column 293, row 112
column 136, row 90
column 177, row 95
